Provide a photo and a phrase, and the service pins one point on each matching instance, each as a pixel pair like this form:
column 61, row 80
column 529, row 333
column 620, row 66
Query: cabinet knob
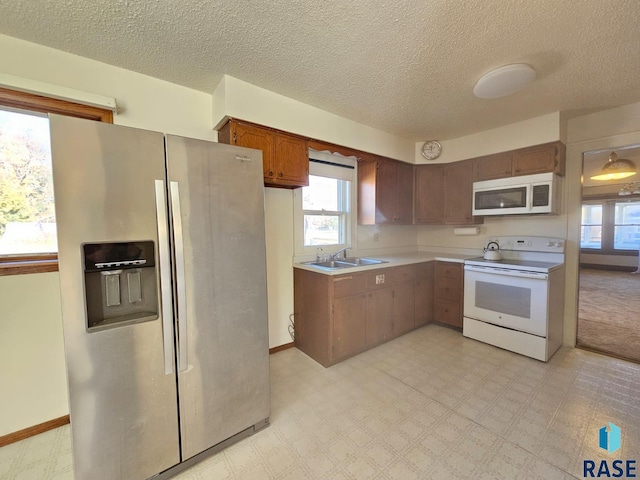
column 280, row 174
column 270, row 173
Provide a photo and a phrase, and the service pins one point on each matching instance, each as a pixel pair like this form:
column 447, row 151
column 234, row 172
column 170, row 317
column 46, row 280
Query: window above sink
column 323, row 219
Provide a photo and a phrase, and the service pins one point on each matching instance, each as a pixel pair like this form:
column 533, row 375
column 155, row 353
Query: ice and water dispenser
column 120, row 284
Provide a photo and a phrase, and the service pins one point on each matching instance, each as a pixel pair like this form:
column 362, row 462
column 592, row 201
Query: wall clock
column 431, row 150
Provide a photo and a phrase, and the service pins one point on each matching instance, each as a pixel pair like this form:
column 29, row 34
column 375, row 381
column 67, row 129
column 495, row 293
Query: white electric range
column 517, row 303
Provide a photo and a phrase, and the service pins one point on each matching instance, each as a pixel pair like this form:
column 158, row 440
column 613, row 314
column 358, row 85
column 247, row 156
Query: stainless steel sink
column 348, row 262
column 363, row 261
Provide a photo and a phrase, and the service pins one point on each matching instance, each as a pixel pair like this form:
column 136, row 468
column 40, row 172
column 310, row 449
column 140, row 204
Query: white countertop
column 392, row 260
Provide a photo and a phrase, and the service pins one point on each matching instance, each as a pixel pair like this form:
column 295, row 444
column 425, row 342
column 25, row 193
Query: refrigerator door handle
column 181, row 288
column 165, row 277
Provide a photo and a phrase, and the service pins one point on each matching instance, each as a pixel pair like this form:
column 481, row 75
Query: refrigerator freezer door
column 224, row 389
column 124, row 413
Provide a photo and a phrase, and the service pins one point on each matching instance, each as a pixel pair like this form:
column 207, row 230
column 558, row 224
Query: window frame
column 344, row 196
column 349, row 218
column 14, row 99
column 608, row 226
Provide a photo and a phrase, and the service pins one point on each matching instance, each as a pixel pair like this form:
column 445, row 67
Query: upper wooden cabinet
column 443, row 194
column 385, row 191
column 458, row 194
column 429, row 194
column 548, row 157
column 285, row 157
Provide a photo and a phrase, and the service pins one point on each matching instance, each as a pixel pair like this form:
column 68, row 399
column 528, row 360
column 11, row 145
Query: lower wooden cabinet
column 379, row 317
column 448, row 291
column 349, row 314
column 404, row 299
column 424, row 294
column 338, row 316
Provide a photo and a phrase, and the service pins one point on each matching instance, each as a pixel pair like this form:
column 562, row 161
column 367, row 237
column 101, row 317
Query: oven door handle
column 506, row 272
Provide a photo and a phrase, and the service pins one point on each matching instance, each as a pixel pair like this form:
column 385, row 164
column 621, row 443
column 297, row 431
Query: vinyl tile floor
column 428, row 405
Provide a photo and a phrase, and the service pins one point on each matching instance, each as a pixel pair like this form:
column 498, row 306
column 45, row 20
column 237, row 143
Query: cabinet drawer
column 448, row 289
column 348, row 284
column 404, row 274
column 449, row 270
column 448, row 312
column 378, row 279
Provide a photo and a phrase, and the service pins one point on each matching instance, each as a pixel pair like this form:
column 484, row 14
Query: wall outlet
column 376, row 237
column 379, row 279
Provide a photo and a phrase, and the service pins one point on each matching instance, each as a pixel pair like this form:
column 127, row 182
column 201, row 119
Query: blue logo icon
column 610, row 437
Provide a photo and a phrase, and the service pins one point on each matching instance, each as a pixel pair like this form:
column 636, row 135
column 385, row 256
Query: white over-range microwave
column 524, row 195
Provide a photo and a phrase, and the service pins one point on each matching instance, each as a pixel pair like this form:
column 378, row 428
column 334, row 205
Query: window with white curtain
column 323, row 209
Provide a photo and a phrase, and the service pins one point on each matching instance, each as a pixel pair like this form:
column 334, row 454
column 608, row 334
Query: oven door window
column 504, row 198
column 507, row 299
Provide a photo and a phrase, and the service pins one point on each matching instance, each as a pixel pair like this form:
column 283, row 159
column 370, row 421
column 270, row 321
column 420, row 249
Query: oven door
column 510, row 298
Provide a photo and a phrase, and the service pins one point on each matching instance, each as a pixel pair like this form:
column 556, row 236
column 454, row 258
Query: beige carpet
column 609, row 312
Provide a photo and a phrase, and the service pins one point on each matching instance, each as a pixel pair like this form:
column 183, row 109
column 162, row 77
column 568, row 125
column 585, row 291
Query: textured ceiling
column 407, row 67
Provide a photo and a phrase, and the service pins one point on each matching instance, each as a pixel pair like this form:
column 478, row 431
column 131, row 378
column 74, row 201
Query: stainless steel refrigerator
column 163, row 278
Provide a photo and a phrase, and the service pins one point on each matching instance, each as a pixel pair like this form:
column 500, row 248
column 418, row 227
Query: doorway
column 609, row 270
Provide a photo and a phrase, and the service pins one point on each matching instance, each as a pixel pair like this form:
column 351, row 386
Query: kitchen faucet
column 342, row 251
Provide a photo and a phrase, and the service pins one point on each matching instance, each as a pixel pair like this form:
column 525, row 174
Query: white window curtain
column 333, row 165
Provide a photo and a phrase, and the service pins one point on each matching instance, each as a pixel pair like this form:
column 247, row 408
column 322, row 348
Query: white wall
column 143, row 101
column 238, row 99
column 534, row 131
column 31, row 352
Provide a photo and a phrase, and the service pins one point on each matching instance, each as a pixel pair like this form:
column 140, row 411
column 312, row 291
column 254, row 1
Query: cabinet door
column 458, row 184
column 258, row 138
column 291, row 161
column 404, row 194
column 429, row 194
column 541, row 159
column 424, row 294
column 448, row 289
column 379, row 317
column 404, row 297
column 448, row 312
column 349, row 315
column 385, row 192
column 448, row 292
column 492, row 166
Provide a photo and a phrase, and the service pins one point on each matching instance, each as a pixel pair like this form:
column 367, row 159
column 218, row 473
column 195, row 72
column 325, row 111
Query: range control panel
column 531, row 244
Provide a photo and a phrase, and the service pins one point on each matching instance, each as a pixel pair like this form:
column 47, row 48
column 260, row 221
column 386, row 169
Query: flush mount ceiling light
column 616, row 168
column 504, row 80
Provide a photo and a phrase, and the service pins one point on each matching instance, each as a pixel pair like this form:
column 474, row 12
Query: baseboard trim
column 611, row 268
column 35, row 430
column 281, row 347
